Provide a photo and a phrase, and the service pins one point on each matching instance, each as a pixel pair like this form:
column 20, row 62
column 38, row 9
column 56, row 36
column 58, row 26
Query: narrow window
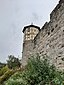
column 34, row 30
column 48, row 33
column 28, row 29
column 31, row 36
column 52, row 30
column 56, row 25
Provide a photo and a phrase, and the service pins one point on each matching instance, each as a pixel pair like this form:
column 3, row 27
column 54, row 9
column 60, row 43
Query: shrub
column 3, row 70
column 6, row 75
column 2, row 65
column 13, row 62
column 37, row 72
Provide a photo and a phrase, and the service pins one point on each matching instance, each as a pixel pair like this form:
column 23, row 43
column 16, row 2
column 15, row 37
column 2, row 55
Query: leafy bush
column 3, row 70
column 6, row 75
column 37, row 72
column 13, row 62
column 2, row 65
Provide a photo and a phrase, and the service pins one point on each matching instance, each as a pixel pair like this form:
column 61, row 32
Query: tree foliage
column 13, row 62
column 37, row 72
column 2, row 65
column 6, row 75
column 3, row 70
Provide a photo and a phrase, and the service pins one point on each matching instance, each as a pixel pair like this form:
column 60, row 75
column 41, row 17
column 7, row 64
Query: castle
column 48, row 41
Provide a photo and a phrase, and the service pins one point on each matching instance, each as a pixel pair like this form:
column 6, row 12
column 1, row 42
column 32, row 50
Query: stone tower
column 28, row 43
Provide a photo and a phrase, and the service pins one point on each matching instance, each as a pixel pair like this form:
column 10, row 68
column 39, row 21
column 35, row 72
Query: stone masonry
column 50, row 39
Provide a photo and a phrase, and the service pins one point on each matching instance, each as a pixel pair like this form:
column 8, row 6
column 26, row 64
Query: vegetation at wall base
column 37, row 72
column 3, row 70
column 12, row 66
column 13, row 62
column 2, row 65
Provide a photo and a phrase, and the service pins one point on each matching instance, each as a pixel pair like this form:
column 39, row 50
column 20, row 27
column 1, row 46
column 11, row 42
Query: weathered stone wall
column 27, row 51
column 50, row 40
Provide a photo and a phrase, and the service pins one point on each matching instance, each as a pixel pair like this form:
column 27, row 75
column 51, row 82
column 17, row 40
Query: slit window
column 28, row 30
column 52, row 30
column 48, row 33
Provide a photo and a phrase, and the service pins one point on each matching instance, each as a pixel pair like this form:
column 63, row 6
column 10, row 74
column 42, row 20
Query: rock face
column 50, row 39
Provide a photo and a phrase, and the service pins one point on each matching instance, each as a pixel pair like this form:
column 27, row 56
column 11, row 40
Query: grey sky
column 14, row 15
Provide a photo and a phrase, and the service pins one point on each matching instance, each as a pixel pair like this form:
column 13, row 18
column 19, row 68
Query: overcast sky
column 14, row 15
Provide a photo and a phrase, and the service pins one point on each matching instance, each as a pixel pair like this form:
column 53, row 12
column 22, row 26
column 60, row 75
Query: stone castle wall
column 27, row 51
column 50, row 40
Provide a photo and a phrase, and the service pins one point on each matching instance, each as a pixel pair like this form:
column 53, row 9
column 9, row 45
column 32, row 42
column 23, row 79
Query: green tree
column 2, row 65
column 13, row 62
column 3, row 70
column 37, row 72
